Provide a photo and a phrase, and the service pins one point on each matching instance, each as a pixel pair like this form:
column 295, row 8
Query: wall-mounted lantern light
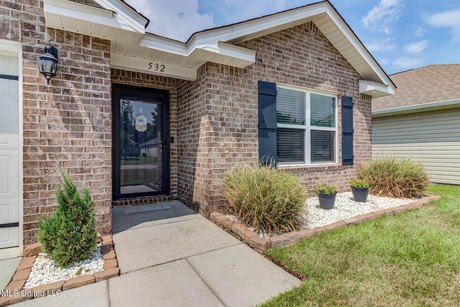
column 47, row 63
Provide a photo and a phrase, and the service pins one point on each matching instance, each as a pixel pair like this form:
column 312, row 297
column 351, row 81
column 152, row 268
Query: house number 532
column 156, row 67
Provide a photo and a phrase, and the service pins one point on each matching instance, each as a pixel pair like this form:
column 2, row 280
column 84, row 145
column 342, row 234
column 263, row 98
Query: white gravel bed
column 345, row 207
column 45, row 270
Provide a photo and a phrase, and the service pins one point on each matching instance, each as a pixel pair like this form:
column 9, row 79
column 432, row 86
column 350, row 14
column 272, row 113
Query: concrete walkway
column 7, row 269
column 171, row 256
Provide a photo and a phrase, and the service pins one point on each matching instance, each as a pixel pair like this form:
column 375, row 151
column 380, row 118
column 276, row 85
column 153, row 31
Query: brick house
column 141, row 118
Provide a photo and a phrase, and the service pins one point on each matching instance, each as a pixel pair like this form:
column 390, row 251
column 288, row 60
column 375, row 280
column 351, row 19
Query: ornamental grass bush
column 269, row 200
column 392, row 177
column 69, row 235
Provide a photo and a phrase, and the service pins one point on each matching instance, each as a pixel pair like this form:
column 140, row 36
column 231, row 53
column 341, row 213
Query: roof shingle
column 426, row 84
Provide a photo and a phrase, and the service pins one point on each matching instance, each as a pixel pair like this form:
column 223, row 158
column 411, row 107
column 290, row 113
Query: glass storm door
column 141, row 142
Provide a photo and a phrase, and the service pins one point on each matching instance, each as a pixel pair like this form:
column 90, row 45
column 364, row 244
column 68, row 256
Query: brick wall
column 66, row 124
column 163, row 83
column 300, row 56
column 195, row 141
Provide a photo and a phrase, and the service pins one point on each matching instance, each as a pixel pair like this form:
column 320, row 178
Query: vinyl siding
column 431, row 137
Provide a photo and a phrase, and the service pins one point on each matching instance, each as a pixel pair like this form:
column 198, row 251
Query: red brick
column 110, row 255
column 22, row 274
column 26, row 263
column 32, row 250
column 48, row 289
column 110, row 264
column 78, row 282
column 14, row 299
column 106, row 274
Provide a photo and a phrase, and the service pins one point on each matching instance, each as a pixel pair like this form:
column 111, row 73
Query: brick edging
column 261, row 244
column 16, row 285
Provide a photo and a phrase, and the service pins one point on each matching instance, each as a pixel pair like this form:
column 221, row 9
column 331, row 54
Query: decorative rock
column 110, row 255
column 22, row 274
column 48, row 289
column 106, row 274
column 110, row 264
column 346, row 208
column 32, row 250
column 78, row 282
column 26, row 263
column 46, row 270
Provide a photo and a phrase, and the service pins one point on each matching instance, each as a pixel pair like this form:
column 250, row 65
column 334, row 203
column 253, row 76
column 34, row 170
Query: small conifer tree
column 69, row 235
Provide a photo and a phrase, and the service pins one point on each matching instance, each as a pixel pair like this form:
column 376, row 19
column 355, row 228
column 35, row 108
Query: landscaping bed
column 345, row 207
column 344, row 214
column 38, row 276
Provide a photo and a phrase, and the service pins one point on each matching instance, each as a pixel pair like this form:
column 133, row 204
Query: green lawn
column 412, row 259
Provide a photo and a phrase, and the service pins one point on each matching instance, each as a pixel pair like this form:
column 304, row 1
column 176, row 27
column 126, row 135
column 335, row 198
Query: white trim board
column 215, row 45
column 422, row 107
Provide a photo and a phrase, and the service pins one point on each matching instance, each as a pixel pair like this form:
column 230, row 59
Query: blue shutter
column 267, row 122
column 347, row 130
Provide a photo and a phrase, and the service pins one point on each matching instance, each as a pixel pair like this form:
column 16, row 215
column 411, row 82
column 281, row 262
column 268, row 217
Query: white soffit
column 125, row 28
column 375, row 89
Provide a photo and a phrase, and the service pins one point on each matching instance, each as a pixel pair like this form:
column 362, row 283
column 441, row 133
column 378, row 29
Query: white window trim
column 308, row 127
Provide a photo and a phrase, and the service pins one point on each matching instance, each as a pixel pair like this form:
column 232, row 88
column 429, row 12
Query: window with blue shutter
column 307, row 127
column 267, row 122
column 347, row 131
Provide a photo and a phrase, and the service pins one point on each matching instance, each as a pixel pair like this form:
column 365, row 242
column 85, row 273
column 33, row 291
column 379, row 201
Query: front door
column 9, row 151
column 141, row 142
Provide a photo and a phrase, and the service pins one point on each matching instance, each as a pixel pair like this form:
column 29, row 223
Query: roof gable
column 218, row 44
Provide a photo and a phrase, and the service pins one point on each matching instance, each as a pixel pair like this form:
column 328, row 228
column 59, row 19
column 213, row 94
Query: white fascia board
column 153, row 67
column 125, row 13
column 166, row 45
column 73, row 10
column 212, row 40
column 245, row 29
column 423, row 107
column 375, row 89
column 244, row 57
column 359, row 47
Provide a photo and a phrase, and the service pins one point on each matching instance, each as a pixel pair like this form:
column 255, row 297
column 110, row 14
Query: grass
column 412, row 259
column 140, row 161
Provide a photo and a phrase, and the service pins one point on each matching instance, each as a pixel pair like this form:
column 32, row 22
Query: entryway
column 9, row 152
column 140, row 142
column 171, row 256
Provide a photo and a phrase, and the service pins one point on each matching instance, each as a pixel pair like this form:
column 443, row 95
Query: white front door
column 9, row 151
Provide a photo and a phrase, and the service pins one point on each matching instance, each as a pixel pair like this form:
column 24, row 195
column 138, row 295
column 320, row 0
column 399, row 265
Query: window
column 307, row 127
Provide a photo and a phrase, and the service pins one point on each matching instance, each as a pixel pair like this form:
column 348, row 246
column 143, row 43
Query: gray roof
column 432, row 83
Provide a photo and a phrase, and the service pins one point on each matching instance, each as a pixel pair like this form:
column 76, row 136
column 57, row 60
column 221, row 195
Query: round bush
column 266, row 199
column 394, row 177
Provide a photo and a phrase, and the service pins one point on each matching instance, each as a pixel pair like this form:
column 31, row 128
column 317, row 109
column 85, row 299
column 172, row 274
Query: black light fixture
column 47, row 63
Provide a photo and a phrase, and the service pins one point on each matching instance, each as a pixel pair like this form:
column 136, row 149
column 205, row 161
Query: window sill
column 306, row 166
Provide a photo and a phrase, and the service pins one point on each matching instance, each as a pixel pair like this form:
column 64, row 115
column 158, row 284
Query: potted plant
column 326, row 195
column 360, row 190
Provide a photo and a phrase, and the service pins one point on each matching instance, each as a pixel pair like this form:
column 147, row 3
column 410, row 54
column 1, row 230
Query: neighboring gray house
column 422, row 120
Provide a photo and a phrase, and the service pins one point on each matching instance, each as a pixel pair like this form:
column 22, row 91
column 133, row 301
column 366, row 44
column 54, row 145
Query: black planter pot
column 360, row 194
column 327, row 201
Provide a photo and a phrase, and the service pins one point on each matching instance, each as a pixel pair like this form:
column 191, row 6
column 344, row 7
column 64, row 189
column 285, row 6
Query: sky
column 401, row 34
